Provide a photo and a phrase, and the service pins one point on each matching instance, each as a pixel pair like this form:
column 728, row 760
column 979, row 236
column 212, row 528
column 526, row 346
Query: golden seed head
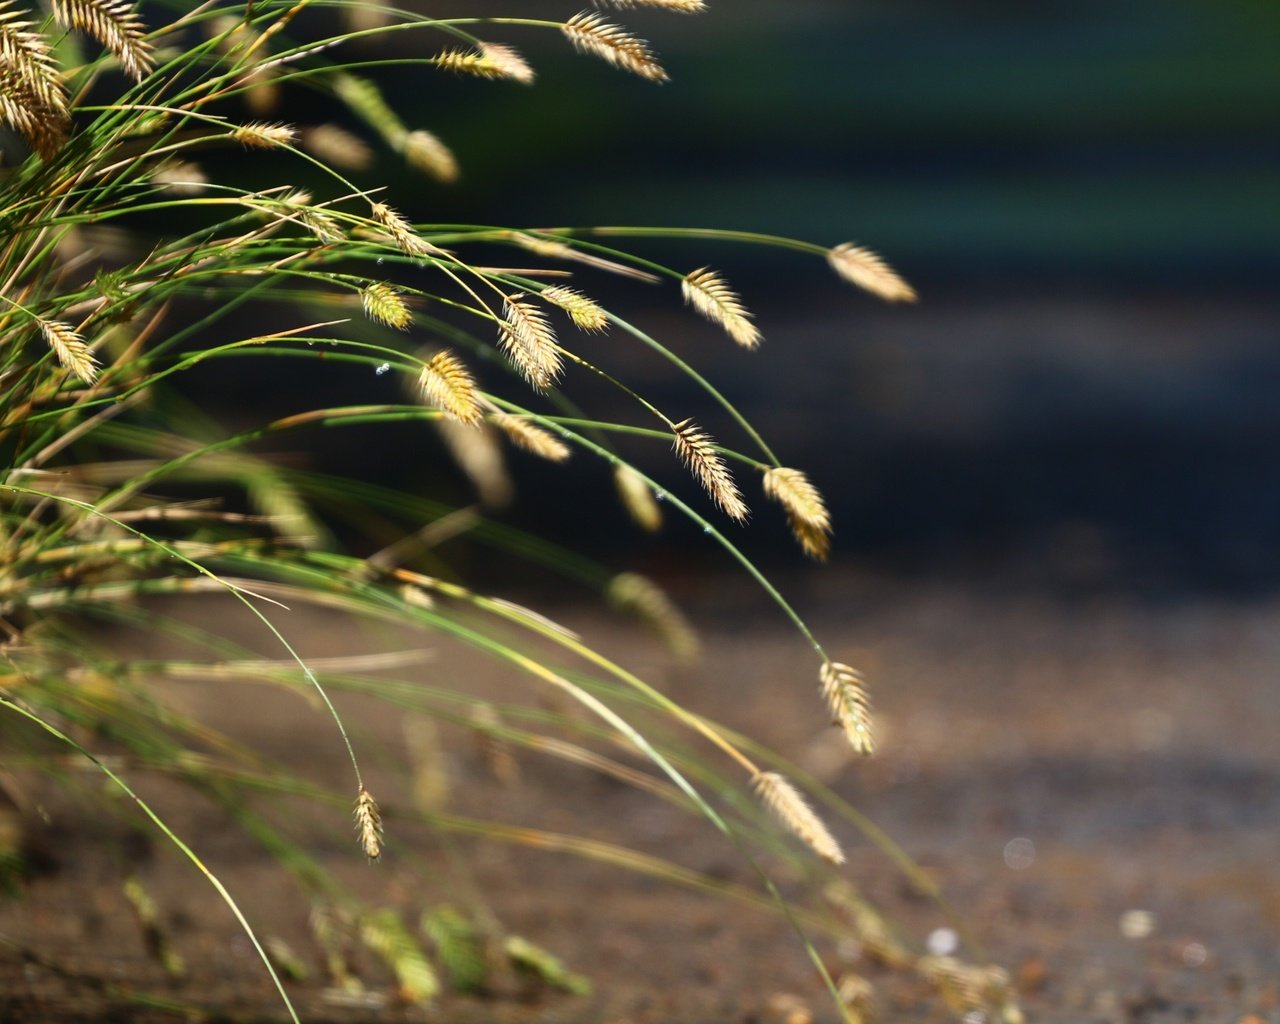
column 846, row 695
column 448, row 385
column 335, row 145
column 709, row 293
column 33, row 98
column 584, row 312
column 529, row 342
column 807, row 512
column 590, row 33
column 697, row 450
column 524, row 433
column 261, row 135
column 402, row 232
column 70, row 349
column 637, row 498
column 426, row 153
column 679, row 6
column 862, row 267
column 116, row 25
column 488, row 60
column 369, row 824
column 784, row 802
column 386, row 305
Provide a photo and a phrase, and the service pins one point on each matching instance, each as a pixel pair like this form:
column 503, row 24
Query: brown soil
column 1131, row 746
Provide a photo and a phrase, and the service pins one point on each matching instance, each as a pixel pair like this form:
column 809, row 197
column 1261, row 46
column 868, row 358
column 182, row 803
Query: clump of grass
column 101, row 455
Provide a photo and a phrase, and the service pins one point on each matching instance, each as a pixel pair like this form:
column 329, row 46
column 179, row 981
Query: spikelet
column 679, row 6
column 488, row 60
column 479, row 456
column 261, row 135
column 709, row 293
column 384, row 933
column 846, row 695
column 590, row 33
column 584, row 312
column 784, row 802
column 529, row 341
column 70, row 349
column 402, row 233
column 460, row 947
column 524, row 433
column 365, row 100
column 339, row 147
column 637, row 498
column 869, row 272
column 810, row 521
column 639, row 595
column 697, row 450
column 448, row 385
column 426, row 153
column 384, row 304
column 116, row 25
column 368, row 824
column 32, row 97
column 319, row 223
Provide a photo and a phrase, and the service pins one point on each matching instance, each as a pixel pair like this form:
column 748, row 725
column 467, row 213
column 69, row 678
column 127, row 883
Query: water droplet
column 382, row 369
column 706, row 529
column 659, row 495
column 943, row 941
column 379, row 261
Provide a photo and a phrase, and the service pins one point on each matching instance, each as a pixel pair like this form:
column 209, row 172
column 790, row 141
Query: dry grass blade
column 697, row 450
column 529, row 341
column 637, row 498
column 590, row 33
column 709, row 293
column 70, row 349
column 784, row 802
column 679, row 6
column 551, row 249
column 402, row 233
column 383, row 303
column 337, row 146
column 261, row 135
column 584, row 312
column 426, row 153
column 810, row 520
column 448, row 385
column 488, row 60
column 116, row 25
column 846, row 695
column 869, row 272
column 524, row 433
column 368, row 824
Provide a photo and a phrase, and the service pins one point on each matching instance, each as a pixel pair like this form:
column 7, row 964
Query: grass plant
column 135, row 255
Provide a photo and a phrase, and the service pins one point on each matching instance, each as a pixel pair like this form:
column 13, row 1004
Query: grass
column 128, row 268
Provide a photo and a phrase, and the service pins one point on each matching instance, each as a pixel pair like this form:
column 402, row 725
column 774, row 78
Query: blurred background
column 1085, row 195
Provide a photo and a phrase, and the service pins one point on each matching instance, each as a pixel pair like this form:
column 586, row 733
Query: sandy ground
column 1056, row 763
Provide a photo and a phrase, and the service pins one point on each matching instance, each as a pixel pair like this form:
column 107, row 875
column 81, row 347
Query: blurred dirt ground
column 1069, row 769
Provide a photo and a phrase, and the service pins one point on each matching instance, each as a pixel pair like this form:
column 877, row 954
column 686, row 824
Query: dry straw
column 846, row 695
column 785, row 803
column 70, row 349
column 368, row 824
column 448, row 385
column 116, row 25
column 529, row 341
column 488, row 60
column 383, row 303
column 590, row 33
column 524, row 433
column 810, row 521
column 709, row 293
column 869, row 272
column 585, row 312
column 698, row 451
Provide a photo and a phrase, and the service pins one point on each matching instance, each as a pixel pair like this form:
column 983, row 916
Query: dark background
column 1085, row 196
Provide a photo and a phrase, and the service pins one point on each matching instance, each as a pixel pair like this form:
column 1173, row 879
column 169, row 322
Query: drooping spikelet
column 369, row 824
column 335, row 145
column 529, row 341
column 637, row 498
column 261, row 135
column 366, row 101
column 846, row 695
column 810, row 521
column 32, row 97
column 784, row 802
column 524, row 433
column 448, row 385
column 590, row 33
column 402, row 233
column 709, row 293
column 869, row 272
column 386, row 305
column 679, row 6
column 426, row 153
column 584, row 312
column 116, row 25
column 697, row 450
column 70, row 349
column 488, row 60
column 641, row 596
